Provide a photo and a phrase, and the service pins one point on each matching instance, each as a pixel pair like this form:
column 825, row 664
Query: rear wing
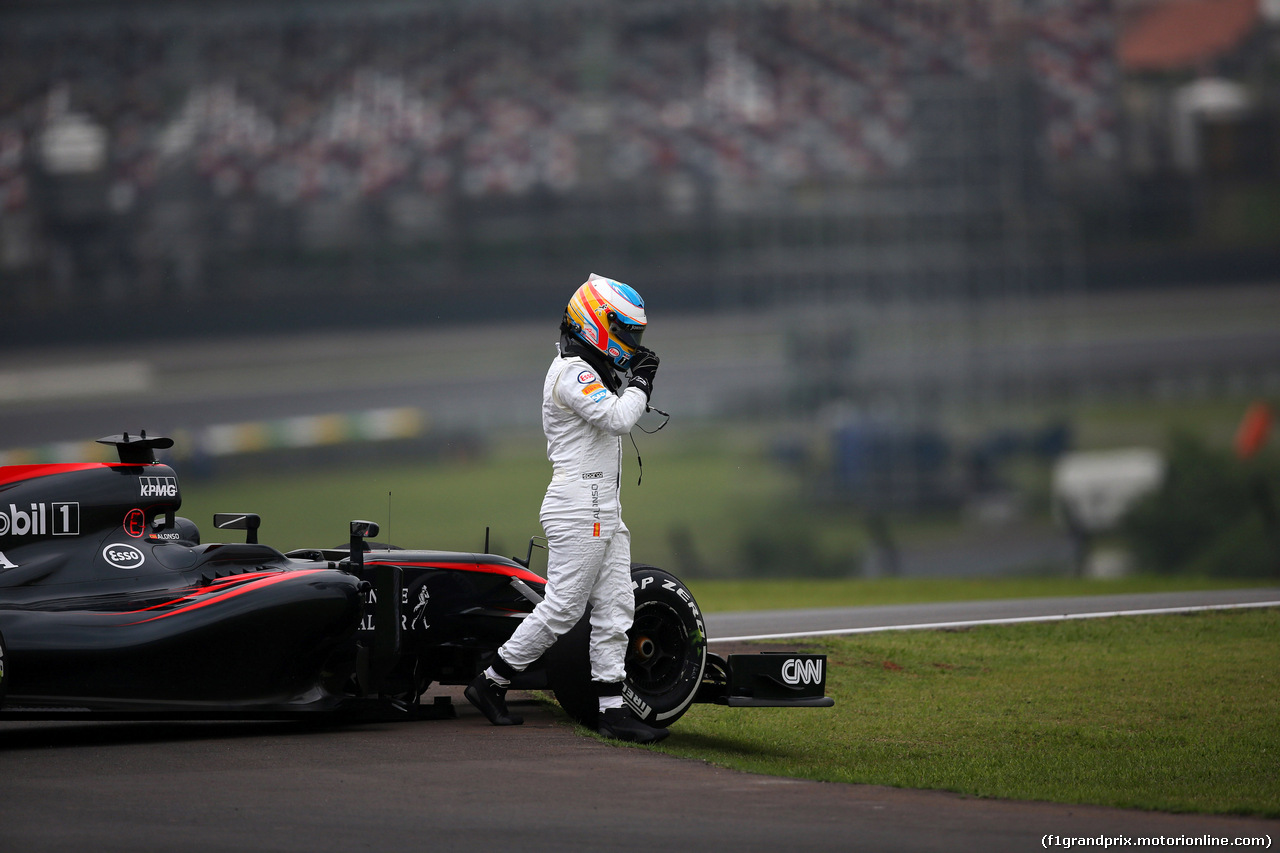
column 137, row 450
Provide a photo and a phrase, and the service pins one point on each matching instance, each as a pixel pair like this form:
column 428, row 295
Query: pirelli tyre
column 666, row 654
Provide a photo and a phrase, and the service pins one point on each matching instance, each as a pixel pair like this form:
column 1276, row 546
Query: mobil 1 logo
column 57, row 518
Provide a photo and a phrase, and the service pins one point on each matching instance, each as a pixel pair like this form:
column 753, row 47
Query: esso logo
column 123, row 556
column 586, row 377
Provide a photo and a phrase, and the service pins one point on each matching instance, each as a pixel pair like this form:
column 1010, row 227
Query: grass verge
column 1173, row 713
column 778, row 594
column 701, row 505
column 691, row 502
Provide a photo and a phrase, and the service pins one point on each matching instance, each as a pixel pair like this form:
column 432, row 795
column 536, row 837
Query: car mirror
column 246, row 521
column 364, row 529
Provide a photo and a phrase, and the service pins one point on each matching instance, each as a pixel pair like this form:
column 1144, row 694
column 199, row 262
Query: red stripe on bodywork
column 212, row 586
column 487, row 568
column 18, row 473
column 202, row 598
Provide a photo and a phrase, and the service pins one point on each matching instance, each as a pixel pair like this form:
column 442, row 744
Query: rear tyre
column 666, row 654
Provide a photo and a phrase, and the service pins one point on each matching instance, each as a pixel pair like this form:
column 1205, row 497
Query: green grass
column 702, row 498
column 1151, row 423
column 1174, row 713
column 770, row 594
column 713, row 504
column 419, row 505
column 687, row 515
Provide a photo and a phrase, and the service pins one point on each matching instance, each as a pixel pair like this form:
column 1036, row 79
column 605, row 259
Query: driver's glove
column 644, row 366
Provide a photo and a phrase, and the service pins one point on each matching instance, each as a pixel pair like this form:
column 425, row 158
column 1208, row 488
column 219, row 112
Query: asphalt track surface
column 489, row 375
column 461, row 784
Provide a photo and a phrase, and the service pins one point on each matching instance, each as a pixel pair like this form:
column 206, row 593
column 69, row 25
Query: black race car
column 112, row 606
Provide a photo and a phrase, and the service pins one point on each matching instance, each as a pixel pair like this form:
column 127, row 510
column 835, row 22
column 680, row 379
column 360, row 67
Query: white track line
column 1012, row 620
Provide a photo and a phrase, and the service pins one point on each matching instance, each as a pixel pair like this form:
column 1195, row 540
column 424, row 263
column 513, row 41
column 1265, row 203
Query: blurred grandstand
column 204, row 154
column 915, row 191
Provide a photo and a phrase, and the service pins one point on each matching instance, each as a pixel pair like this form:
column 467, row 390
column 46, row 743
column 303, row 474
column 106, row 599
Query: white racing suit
column 589, row 548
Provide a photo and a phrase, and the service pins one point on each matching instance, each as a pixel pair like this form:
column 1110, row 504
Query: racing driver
column 586, row 409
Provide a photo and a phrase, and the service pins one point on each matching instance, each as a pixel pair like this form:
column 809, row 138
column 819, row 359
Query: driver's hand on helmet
column 643, row 368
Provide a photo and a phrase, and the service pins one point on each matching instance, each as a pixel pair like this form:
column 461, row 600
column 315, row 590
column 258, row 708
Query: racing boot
column 488, row 692
column 616, row 720
column 620, row 724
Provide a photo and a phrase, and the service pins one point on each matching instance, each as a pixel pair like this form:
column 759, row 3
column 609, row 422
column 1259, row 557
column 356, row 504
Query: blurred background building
column 937, row 218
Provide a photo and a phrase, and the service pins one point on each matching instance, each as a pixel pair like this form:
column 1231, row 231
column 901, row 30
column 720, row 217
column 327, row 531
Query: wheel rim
column 656, row 651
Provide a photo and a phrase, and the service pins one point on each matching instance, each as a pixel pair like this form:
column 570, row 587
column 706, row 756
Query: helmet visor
column 627, row 334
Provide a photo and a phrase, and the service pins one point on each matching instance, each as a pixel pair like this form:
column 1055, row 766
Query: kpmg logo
column 159, row 487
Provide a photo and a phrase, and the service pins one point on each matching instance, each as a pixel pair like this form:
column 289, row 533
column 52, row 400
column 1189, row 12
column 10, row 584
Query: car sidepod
column 261, row 636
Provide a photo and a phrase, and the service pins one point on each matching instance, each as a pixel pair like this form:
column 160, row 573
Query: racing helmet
column 608, row 316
